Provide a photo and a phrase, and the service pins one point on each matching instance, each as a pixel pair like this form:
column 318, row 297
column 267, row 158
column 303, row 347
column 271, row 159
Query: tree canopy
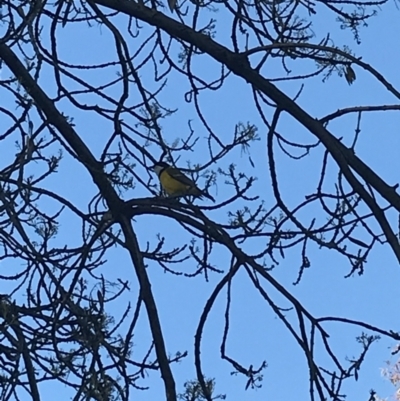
column 238, row 95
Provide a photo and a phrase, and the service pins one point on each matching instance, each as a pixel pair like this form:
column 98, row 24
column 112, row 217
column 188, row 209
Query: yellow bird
column 177, row 184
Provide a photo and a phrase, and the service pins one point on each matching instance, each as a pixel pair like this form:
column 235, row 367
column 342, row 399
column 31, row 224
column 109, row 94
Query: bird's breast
column 171, row 185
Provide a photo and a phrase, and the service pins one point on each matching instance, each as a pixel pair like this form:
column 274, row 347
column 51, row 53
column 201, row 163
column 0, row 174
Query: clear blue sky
column 256, row 334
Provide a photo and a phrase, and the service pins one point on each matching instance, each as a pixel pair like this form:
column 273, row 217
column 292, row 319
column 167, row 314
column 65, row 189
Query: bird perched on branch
column 177, row 184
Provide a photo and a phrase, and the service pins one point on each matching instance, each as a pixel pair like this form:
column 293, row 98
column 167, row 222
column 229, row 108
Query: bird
column 177, row 184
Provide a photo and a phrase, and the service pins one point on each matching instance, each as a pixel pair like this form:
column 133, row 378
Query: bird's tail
column 197, row 192
column 207, row 195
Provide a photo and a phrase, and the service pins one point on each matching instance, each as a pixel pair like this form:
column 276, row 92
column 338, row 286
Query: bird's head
column 159, row 166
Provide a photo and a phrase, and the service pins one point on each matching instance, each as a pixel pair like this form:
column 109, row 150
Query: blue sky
column 255, row 332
